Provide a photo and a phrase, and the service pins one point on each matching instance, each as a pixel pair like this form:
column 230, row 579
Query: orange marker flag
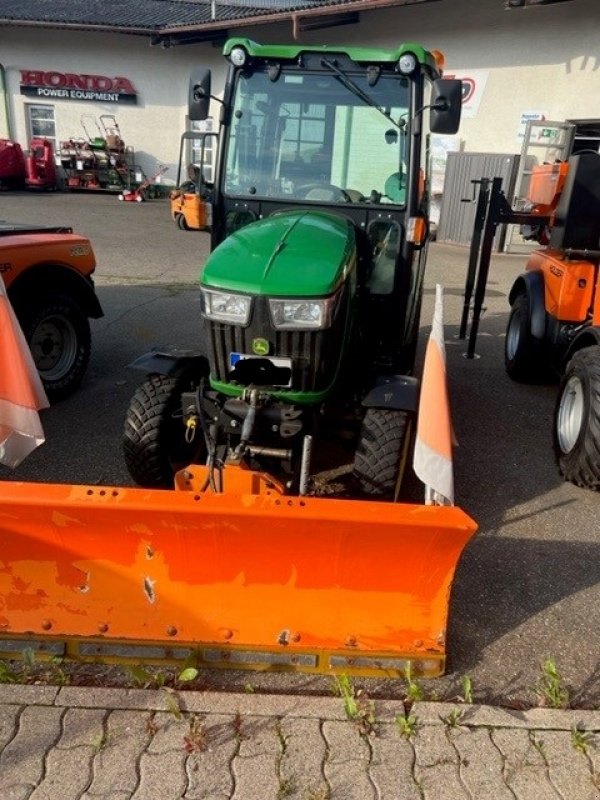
column 21, row 392
column 433, row 446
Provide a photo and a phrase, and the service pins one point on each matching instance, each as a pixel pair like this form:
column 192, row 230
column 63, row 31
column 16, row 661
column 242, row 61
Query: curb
column 295, row 706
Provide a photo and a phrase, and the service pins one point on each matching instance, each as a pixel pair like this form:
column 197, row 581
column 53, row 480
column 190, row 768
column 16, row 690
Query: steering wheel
column 323, row 191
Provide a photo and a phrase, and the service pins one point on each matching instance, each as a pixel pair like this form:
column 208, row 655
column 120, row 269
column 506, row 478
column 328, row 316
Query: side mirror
column 446, row 105
column 199, row 94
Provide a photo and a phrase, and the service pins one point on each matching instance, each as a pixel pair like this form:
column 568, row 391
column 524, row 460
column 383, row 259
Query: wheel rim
column 54, row 347
column 513, row 335
column 570, row 414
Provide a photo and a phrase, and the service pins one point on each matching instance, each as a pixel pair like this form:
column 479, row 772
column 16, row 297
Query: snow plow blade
column 248, row 578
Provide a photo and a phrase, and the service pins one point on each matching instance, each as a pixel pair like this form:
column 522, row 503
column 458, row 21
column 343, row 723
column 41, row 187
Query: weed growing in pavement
column 537, row 744
column 550, row 688
column 287, row 786
column 453, row 719
column 407, row 725
column 143, row 678
column 188, row 674
column 152, row 726
column 248, row 688
column 357, row 706
column 99, row 741
column 321, row 793
column 196, row 739
column 467, row 689
column 236, row 724
column 582, row 740
column 7, row 675
column 172, row 701
column 414, row 690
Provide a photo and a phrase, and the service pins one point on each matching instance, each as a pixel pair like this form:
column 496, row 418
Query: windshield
column 309, row 136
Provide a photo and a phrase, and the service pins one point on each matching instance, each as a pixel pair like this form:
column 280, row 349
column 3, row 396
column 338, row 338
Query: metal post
column 480, row 212
column 489, row 231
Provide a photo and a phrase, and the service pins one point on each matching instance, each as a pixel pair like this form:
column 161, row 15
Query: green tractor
column 311, row 296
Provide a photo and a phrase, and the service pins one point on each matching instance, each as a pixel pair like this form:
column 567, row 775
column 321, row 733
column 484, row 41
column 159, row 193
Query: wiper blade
column 356, row 90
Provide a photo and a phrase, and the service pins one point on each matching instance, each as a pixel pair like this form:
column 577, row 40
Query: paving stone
column 17, row 792
column 9, row 721
column 301, row 764
column 525, row 770
column 23, row 759
column 162, row 776
column 569, row 770
column 348, row 761
column 115, row 766
column 392, row 764
column 481, row 766
column 68, row 774
column 82, row 727
column 169, row 733
column 255, row 767
column 27, row 694
column 436, row 765
column 209, row 771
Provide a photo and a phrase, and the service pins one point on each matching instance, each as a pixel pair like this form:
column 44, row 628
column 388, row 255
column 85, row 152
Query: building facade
column 538, row 62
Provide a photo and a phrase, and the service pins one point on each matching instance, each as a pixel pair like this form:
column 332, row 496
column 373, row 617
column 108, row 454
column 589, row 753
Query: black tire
column 58, row 333
column 381, row 455
column 523, row 353
column 577, row 420
column 181, row 223
column 154, row 443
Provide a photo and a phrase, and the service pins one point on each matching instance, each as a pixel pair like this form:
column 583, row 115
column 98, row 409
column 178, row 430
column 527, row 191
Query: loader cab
column 339, row 130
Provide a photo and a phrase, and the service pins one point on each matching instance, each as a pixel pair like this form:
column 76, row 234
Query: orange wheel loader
column 310, row 314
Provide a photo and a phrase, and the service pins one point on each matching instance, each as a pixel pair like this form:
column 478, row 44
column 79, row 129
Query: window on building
column 41, row 123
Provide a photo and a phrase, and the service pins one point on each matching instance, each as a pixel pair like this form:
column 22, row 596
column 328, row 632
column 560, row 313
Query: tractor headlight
column 238, row 56
column 407, row 64
column 302, row 313
column 226, row 306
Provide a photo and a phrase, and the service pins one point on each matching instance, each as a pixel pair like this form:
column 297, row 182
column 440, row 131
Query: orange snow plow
column 244, row 578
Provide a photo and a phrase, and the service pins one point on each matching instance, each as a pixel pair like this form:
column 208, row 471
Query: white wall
column 544, row 58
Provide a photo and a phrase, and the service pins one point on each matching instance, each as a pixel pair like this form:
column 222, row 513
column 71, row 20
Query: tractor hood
column 295, row 253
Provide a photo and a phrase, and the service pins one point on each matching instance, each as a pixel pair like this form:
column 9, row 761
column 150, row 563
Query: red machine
column 40, row 167
column 35, row 170
column 12, row 165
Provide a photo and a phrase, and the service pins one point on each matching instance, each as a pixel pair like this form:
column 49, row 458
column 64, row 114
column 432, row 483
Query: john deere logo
column 260, row 347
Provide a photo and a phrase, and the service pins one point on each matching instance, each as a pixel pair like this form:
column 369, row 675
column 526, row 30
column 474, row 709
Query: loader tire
column 154, row 443
column 381, row 455
column 58, row 333
column 523, row 353
column 577, row 420
column 182, row 223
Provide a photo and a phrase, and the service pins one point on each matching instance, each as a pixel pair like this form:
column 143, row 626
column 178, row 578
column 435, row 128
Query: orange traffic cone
column 21, row 392
column 433, row 446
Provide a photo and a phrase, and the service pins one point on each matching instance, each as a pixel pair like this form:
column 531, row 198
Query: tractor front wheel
column 154, row 443
column 577, row 420
column 523, row 356
column 57, row 331
column 381, row 455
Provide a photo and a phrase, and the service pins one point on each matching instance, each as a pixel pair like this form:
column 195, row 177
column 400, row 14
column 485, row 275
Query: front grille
column 314, row 354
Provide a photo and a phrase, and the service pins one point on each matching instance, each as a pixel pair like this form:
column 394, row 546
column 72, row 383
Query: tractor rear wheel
column 523, row 353
column 381, row 455
column 57, row 331
column 577, row 420
column 154, row 442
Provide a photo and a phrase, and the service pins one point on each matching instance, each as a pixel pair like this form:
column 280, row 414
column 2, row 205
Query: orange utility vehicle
column 191, row 209
column 554, row 323
column 48, row 276
column 230, row 565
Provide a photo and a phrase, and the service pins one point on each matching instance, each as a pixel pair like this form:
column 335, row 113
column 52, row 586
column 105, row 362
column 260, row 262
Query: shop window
column 41, row 123
column 204, row 126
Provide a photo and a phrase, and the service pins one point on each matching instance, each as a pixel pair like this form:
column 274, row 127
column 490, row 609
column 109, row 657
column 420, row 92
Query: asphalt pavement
column 527, row 587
